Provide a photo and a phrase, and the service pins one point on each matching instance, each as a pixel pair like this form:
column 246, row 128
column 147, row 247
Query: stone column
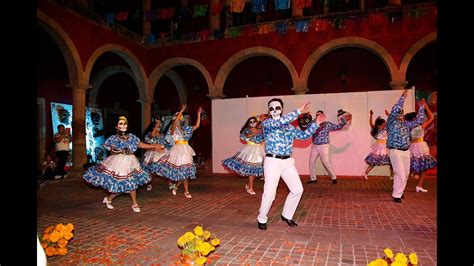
column 146, row 24
column 79, row 156
column 146, row 112
column 398, row 85
column 214, row 19
column 300, row 90
column 295, row 10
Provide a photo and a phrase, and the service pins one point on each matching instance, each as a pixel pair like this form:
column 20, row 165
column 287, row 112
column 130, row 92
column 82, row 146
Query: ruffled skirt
column 119, row 173
column 420, row 158
column 178, row 165
column 247, row 162
column 378, row 156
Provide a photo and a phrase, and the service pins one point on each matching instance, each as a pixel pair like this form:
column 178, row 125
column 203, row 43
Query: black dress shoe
column 311, row 181
column 262, row 226
column 334, row 181
column 289, row 222
column 397, row 200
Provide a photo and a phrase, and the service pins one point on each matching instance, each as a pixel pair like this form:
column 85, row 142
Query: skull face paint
column 275, row 109
column 252, row 123
column 122, row 125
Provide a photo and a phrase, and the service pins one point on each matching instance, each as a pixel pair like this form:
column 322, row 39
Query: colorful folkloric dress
column 420, row 158
column 248, row 161
column 179, row 164
column 121, row 171
column 379, row 154
column 151, row 158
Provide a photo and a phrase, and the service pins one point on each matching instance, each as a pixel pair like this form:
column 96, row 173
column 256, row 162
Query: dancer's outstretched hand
column 305, row 108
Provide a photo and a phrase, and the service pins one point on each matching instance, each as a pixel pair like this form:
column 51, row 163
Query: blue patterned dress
column 420, row 157
column 379, row 154
column 121, row 171
column 248, row 161
column 152, row 157
column 179, row 164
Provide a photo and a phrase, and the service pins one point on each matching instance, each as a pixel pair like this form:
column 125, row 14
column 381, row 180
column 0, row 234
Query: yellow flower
column 69, row 227
column 388, row 253
column 68, row 235
column 378, row 262
column 54, row 236
column 206, row 235
column 45, row 237
column 59, row 227
column 61, row 234
column 198, row 230
column 215, row 242
column 201, row 260
column 62, row 242
column 50, row 251
column 413, row 258
column 398, row 263
column 62, row 251
column 402, row 258
column 189, row 236
column 181, row 241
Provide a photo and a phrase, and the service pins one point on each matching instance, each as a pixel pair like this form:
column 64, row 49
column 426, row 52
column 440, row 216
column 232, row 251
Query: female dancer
column 420, row 158
column 121, row 171
column 153, row 136
column 379, row 154
column 248, row 161
column 179, row 166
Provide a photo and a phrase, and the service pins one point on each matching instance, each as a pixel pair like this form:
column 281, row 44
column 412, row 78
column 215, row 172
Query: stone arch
column 67, row 47
column 234, row 60
column 415, row 48
column 363, row 43
column 167, row 65
column 139, row 74
column 179, row 85
column 98, row 79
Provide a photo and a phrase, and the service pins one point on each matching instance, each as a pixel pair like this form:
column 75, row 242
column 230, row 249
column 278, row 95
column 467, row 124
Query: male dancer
column 398, row 143
column 279, row 136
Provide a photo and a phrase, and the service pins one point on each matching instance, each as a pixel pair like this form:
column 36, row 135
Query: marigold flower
column 215, row 242
column 45, row 237
column 62, row 242
column 69, row 227
column 378, row 262
column 44, row 245
column 198, row 230
column 68, row 235
column 50, row 251
column 400, row 257
column 388, row 253
column 206, row 235
column 54, row 236
column 398, row 263
column 413, row 258
column 49, row 229
column 189, row 236
column 62, row 251
column 59, row 227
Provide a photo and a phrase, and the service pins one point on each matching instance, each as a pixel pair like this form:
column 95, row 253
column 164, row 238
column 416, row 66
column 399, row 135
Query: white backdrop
column 349, row 147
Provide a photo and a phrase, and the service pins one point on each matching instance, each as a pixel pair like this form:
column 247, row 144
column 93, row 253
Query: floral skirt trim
column 243, row 168
column 423, row 163
column 107, row 181
column 174, row 172
column 377, row 160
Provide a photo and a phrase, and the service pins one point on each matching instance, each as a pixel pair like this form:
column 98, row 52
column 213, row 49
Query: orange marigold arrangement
column 55, row 239
column 399, row 259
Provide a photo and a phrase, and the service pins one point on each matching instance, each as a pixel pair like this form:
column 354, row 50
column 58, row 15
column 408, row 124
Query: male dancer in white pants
column 398, row 142
column 279, row 136
column 320, row 147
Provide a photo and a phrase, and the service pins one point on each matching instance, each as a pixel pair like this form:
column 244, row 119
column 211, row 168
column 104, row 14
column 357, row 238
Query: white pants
column 400, row 161
column 274, row 168
column 316, row 151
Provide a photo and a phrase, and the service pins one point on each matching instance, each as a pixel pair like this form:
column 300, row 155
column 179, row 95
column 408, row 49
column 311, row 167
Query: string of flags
column 299, row 25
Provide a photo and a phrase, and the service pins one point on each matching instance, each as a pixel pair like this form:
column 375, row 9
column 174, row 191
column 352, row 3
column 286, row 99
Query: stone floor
column 349, row 223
